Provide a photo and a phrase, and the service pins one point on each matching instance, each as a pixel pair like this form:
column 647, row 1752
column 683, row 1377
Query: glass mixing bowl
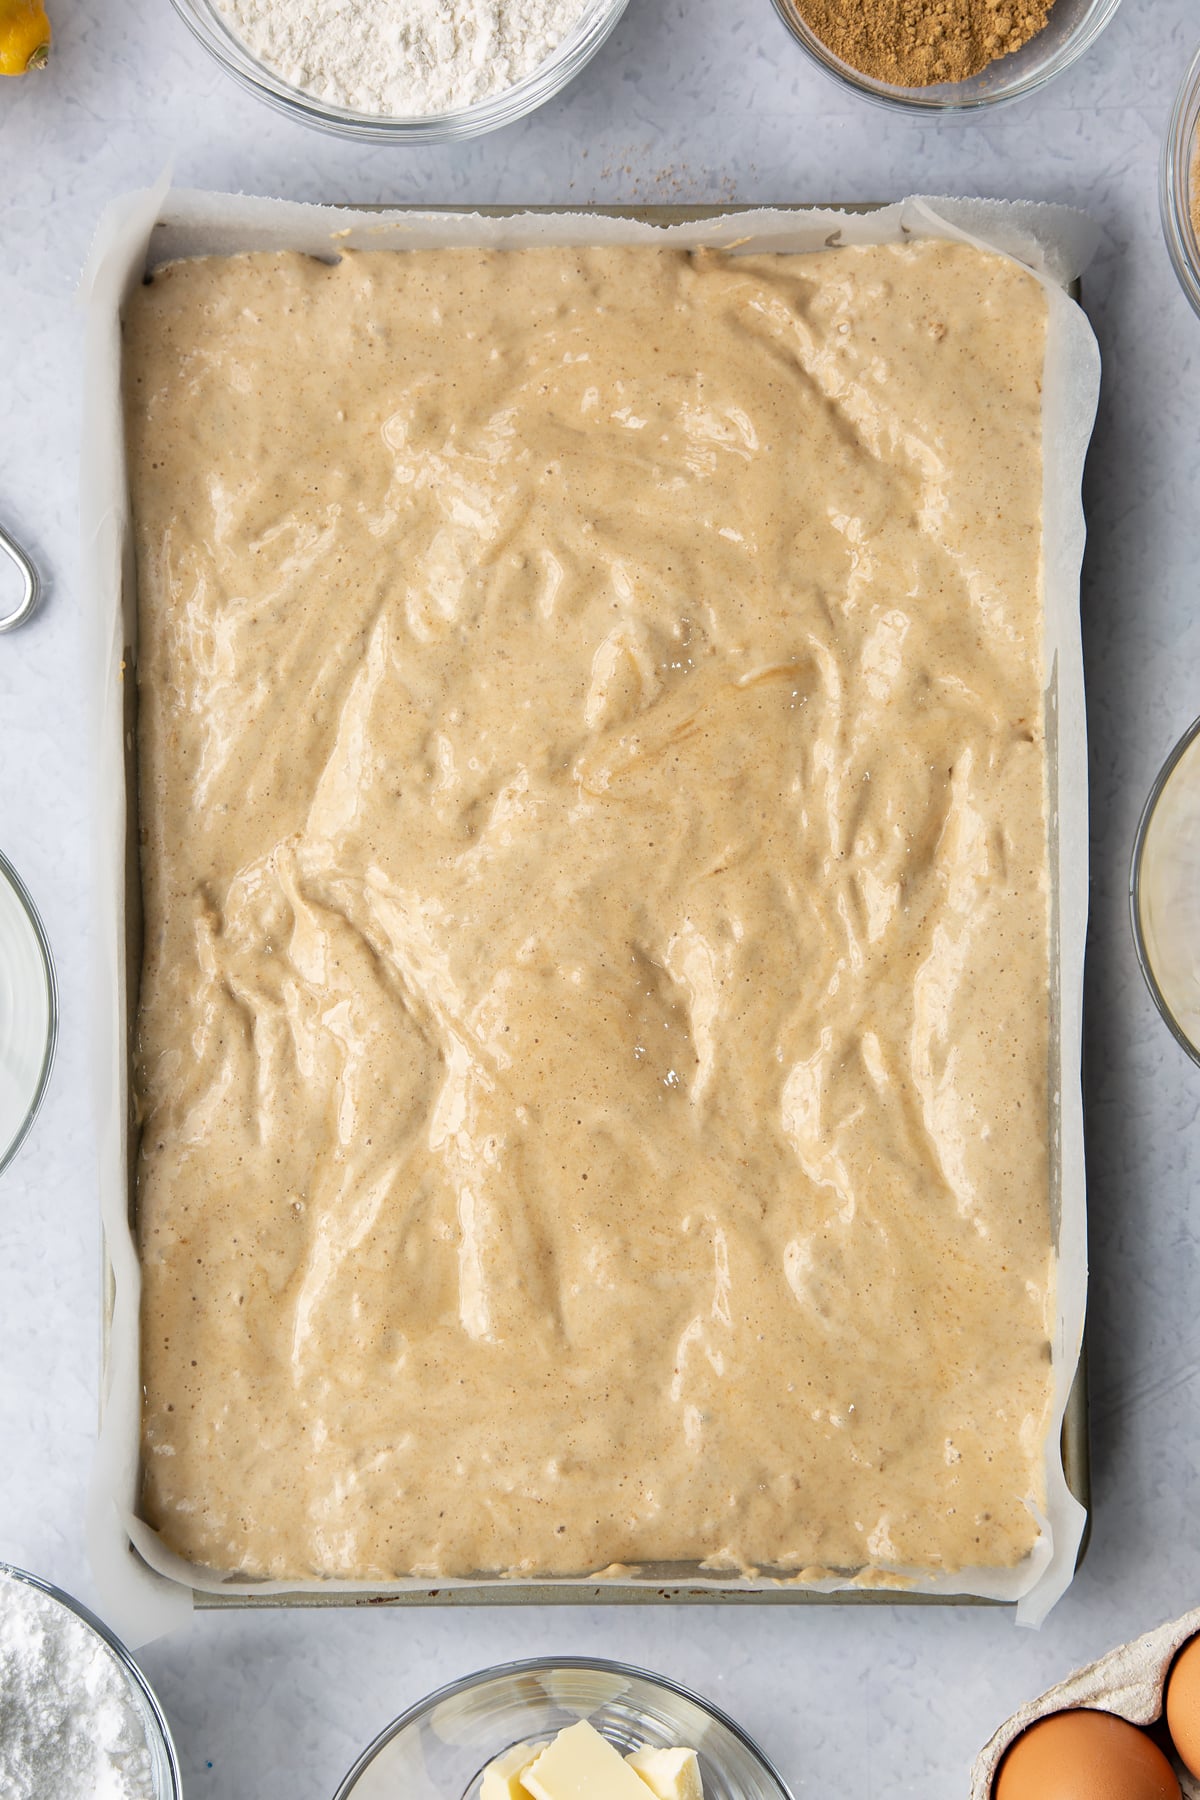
column 28, row 1012
column 576, row 49
column 164, row 1765
column 439, row 1749
column 1072, row 27
column 1164, row 891
column 1179, row 184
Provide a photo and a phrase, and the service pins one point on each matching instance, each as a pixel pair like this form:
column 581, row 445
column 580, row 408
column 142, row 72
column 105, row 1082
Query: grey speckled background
column 697, row 101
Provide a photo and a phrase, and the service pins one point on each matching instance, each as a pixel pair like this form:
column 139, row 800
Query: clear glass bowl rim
column 909, row 100
column 9, row 876
column 1135, row 881
column 540, row 85
column 1174, row 180
column 545, row 1665
column 124, row 1658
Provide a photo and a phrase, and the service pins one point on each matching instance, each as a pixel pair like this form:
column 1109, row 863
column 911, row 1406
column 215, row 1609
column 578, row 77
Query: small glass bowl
column 28, row 1012
column 1179, row 184
column 1072, row 27
column 1161, row 830
column 576, row 49
column 164, row 1764
column 439, row 1749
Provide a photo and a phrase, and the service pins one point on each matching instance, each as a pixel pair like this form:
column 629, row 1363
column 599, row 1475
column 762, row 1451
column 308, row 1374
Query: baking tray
column 656, row 1585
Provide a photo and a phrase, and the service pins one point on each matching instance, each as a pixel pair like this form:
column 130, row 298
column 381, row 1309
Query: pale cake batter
column 593, row 1039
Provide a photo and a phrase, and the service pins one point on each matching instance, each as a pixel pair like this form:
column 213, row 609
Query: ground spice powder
column 917, row 43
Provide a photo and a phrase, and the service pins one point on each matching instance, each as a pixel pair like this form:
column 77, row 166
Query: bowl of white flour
column 407, row 71
column 78, row 1720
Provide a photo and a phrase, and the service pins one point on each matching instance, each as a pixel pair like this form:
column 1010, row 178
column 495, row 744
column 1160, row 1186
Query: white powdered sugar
column 402, row 58
column 70, row 1728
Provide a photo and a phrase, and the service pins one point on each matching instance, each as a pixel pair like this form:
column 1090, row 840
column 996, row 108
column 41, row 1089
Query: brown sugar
column 918, row 43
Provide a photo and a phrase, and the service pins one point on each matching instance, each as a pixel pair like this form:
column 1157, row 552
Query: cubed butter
column 669, row 1774
column 581, row 1765
column 502, row 1777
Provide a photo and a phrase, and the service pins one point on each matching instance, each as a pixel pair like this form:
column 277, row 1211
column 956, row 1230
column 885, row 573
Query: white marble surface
column 691, row 99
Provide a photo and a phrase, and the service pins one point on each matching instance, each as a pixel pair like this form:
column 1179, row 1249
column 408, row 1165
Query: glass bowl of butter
column 563, row 1729
column 1164, row 891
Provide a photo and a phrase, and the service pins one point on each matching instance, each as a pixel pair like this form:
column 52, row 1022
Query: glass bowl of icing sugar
column 403, row 71
column 79, row 1719
column 1164, row 891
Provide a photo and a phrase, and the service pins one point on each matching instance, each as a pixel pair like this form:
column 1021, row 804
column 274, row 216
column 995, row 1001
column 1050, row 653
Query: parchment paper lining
column 149, row 1592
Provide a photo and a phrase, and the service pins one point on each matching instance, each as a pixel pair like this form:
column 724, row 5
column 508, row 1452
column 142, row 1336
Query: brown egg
column 1085, row 1756
column 1183, row 1706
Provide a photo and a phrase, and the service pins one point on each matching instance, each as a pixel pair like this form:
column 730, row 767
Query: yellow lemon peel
column 24, row 36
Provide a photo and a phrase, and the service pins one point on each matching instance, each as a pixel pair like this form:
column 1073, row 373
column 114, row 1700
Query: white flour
column 402, row 58
column 69, row 1727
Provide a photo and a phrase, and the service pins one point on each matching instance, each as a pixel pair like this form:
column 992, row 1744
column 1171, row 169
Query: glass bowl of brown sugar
column 1179, row 184
column 944, row 56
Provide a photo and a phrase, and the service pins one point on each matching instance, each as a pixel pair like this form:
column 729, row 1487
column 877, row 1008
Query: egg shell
column 1128, row 1682
column 1085, row 1755
column 1183, row 1706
